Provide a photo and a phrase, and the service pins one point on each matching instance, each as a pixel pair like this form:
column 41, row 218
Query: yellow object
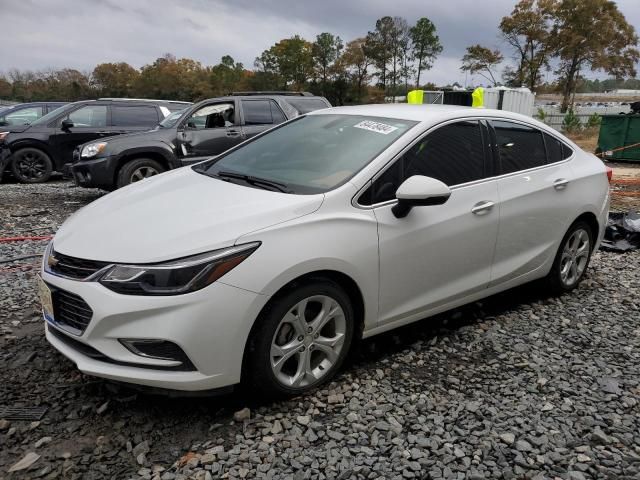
column 415, row 97
column 477, row 98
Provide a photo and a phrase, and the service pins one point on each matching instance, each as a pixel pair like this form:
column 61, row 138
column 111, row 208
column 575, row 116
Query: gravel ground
column 522, row 385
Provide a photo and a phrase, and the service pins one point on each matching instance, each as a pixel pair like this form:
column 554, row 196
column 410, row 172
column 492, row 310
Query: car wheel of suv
column 572, row 258
column 30, row 165
column 300, row 340
column 138, row 169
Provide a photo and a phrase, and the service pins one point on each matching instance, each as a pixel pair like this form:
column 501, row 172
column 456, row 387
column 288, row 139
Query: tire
column 277, row 349
column 138, row 169
column 572, row 259
column 31, row 165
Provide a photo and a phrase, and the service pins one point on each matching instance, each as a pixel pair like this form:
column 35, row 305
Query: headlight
column 3, row 135
column 92, row 149
column 177, row 276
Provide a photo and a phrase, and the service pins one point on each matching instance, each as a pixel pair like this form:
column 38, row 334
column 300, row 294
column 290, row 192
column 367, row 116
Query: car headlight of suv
column 93, row 149
column 176, row 276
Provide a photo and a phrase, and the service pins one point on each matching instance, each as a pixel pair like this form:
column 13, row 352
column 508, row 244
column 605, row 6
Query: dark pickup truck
column 198, row 132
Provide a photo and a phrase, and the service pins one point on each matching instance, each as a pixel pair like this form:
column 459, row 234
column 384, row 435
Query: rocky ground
column 519, row 386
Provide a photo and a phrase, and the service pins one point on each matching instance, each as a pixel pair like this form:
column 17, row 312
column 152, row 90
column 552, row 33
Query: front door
column 90, row 122
column 210, row 130
column 437, row 254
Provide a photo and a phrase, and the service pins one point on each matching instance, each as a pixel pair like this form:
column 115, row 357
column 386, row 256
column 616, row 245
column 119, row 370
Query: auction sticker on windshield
column 375, row 127
column 45, row 299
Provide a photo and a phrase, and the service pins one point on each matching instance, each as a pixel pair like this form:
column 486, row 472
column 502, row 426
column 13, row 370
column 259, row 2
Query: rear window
column 133, row 116
column 306, row 104
column 521, row 147
column 556, row 150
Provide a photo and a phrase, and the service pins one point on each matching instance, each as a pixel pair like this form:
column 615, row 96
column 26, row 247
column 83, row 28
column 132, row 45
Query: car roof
column 422, row 113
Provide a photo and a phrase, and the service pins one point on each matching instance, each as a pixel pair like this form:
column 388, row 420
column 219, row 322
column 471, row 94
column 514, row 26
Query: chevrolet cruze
column 262, row 265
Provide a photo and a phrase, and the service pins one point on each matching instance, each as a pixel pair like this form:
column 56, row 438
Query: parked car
column 26, row 113
column 33, row 152
column 263, row 264
column 191, row 135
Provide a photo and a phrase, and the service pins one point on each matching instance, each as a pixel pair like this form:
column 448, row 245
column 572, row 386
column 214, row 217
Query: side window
column 89, row 116
column 521, row 147
column 453, row 154
column 138, row 116
column 556, row 149
column 24, row 116
column 218, row 115
column 276, row 114
column 257, row 112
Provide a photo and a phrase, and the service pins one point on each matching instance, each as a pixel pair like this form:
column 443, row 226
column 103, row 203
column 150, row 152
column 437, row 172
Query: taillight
column 609, row 173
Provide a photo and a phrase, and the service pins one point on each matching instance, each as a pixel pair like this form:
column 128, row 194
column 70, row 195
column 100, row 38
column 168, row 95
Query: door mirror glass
column 419, row 190
column 67, row 124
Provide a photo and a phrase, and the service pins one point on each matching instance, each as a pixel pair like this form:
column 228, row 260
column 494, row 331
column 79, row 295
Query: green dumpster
column 618, row 131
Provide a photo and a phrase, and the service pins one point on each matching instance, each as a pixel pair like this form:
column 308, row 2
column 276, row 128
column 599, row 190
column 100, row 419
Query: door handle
column 233, row 133
column 481, row 208
column 560, row 184
column 103, row 132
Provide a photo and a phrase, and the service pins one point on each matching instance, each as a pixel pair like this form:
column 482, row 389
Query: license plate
column 45, row 299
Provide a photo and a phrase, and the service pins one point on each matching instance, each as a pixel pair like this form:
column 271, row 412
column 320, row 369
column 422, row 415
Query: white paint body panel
column 436, row 258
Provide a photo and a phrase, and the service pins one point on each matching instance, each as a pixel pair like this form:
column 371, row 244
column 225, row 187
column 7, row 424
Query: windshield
column 311, row 154
column 52, row 115
column 171, row 119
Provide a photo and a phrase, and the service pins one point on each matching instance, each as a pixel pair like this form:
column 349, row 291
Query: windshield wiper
column 255, row 181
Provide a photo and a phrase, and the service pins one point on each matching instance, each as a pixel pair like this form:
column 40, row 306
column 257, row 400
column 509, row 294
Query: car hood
column 174, row 215
column 14, row 128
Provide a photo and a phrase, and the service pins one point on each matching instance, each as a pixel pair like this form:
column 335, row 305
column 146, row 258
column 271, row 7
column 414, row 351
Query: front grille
column 91, row 352
column 71, row 267
column 70, row 310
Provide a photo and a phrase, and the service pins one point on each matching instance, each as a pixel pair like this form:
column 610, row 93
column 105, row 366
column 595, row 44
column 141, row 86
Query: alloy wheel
column 31, row 165
column 575, row 256
column 142, row 173
column 308, row 341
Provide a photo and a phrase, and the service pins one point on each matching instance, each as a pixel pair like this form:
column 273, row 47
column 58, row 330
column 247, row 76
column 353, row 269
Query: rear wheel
column 572, row 258
column 137, row 170
column 301, row 340
column 31, row 165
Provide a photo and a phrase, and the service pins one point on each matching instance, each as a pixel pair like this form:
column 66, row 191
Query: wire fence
column 556, row 121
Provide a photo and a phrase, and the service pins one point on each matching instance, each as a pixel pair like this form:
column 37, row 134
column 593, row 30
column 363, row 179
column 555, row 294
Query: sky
column 43, row 34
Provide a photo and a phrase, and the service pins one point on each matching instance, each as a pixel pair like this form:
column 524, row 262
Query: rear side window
column 453, row 154
column 306, row 104
column 261, row 112
column 521, row 147
column 556, row 150
column 133, row 116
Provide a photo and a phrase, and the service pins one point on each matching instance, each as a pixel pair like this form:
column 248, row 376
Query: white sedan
column 263, row 264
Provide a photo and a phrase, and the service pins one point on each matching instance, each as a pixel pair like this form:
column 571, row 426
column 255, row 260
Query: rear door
column 437, row 254
column 133, row 118
column 535, row 198
column 259, row 115
column 210, row 130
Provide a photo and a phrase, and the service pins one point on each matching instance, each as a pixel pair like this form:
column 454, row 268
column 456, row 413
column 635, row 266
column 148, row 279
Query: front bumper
column 98, row 172
column 211, row 326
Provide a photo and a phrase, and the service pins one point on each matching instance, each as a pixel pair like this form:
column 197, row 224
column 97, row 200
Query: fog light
column 157, row 349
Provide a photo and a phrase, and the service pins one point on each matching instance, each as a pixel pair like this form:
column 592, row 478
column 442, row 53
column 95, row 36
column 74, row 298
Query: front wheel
column 137, row 170
column 300, row 340
column 31, row 165
column 572, row 258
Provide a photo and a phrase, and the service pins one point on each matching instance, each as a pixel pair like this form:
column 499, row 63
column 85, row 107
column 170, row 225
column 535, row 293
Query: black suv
column 33, row 152
column 205, row 129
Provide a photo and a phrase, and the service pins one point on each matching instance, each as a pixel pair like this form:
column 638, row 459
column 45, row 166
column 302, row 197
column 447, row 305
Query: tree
column 400, row 43
column 326, row 50
column 481, row 60
column 592, row 34
column 426, row 45
column 357, row 63
column 528, row 31
column 290, row 59
column 114, row 79
column 378, row 46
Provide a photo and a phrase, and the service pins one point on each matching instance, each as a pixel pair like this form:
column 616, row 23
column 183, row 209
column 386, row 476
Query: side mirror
column 418, row 191
column 67, row 124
